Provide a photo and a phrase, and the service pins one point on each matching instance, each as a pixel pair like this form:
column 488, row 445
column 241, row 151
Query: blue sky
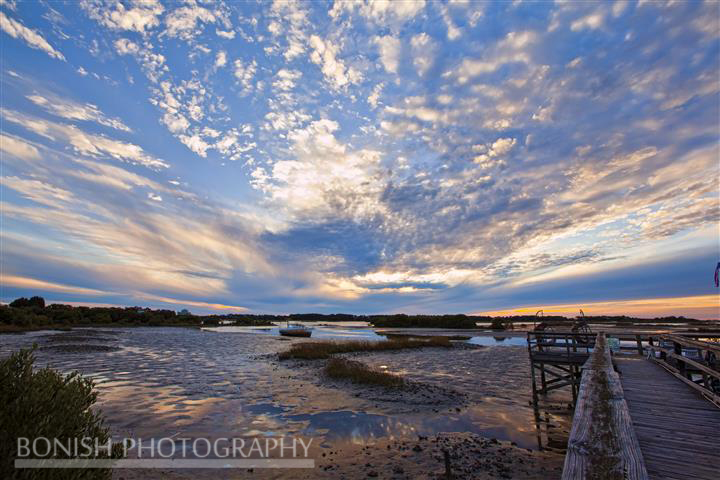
column 362, row 157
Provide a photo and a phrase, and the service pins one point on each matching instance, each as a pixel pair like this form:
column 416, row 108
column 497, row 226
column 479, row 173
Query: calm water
column 156, row 382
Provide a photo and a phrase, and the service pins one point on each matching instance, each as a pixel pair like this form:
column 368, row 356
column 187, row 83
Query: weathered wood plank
column 688, row 342
column 584, row 441
column 677, row 429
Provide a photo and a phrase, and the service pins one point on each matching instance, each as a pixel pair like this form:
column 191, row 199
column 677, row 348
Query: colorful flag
column 717, row 275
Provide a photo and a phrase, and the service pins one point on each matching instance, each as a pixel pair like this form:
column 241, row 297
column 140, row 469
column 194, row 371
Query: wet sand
column 160, row 382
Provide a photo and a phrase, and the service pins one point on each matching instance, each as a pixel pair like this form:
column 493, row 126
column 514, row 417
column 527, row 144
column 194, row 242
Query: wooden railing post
column 680, row 364
column 587, row 439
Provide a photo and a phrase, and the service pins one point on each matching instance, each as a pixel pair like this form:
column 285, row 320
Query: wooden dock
column 652, row 415
column 678, row 430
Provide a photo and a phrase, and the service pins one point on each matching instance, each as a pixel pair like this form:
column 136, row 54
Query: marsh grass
column 324, row 349
column 357, row 372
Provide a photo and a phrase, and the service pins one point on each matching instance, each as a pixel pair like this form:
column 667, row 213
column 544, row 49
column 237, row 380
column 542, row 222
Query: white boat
column 296, row 331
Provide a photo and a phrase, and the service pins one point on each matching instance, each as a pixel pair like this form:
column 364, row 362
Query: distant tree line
column 32, row 313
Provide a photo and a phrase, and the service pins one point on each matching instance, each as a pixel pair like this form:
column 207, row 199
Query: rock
column 372, row 473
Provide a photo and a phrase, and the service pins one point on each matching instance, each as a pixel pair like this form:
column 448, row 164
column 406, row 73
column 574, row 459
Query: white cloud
column 510, row 49
column 289, row 18
column 489, row 153
column 245, row 74
column 381, row 11
column 183, row 22
column 153, row 64
column 18, row 148
column 85, row 143
column 324, row 177
column 229, row 35
column 34, row 40
column 334, row 70
column 286, row 79
column 72, row 110
column 453, row 32
column 390, row 50
column 140, row 17
column 196, row 144
column 592, row 21
column 619, row 7
column 221, row 59
column 375, row 95
column 424, row 50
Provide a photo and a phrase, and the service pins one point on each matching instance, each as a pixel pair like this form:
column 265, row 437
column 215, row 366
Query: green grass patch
column 357, row 372
column 324, row 349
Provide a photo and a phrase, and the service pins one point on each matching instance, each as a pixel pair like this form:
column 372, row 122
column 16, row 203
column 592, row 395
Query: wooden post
column 639, row 345
column 542, row 379
column 534, row 386
column 681, row 365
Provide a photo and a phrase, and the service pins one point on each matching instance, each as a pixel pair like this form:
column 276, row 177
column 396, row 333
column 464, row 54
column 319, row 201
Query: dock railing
column 557, row 357
column 602, row 441
column 695, row 362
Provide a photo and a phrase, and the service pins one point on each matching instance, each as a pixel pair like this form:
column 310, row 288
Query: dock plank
column 677, row 429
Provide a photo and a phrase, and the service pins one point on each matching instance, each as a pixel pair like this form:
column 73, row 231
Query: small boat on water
column 296, row 331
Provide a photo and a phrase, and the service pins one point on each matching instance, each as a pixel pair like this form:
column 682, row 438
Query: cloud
column 71, row 110
column 286, row 79
column 18, row 148
column 381, row 11
column 453, row 32
column 142, row 16
column 33, row 39
column 324, row 178
column 493, row 163
column 424, row 50
column 35, row 284
column 390, row 50
column 153, row 63
column 290, row 20
column 183, row 22
column 700, row 306
column 228, row 35
column 221, row 59
column 196, row 144
column 488, row 154
column 245, row 72
column 591, row 21
column 82, row 142
column 336, row 73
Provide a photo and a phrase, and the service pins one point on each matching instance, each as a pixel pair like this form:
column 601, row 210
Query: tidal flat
column 471, row 400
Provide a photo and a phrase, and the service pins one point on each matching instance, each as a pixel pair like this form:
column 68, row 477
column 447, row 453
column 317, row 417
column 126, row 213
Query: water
column 226, row 382
column 333, row 332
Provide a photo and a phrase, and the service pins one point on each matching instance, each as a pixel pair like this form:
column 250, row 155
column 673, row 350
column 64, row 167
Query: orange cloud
column 701, row 306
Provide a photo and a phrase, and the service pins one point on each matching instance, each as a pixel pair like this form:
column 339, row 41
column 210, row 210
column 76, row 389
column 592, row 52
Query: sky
column 362, row 157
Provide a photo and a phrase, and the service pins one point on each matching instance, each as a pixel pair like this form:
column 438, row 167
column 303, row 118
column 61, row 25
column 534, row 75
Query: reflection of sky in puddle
column 490, row 341
column 489, row 419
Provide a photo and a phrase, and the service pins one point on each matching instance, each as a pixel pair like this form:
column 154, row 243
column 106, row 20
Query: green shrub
column 45, row 403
